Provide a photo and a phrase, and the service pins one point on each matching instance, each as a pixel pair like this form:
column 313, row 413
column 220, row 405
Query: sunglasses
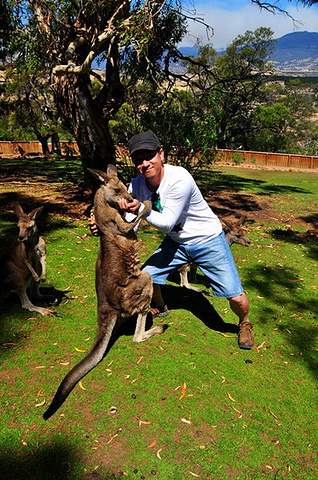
column 142, row 155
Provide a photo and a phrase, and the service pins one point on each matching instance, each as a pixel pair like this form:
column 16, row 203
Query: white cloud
column 228, row 24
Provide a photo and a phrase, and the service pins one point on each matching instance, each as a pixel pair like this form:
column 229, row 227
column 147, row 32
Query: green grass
column 244, row 414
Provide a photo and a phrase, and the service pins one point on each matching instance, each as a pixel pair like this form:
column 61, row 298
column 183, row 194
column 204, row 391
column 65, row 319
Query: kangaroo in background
column 122, row 288
column 24, row 265
column 234, row 233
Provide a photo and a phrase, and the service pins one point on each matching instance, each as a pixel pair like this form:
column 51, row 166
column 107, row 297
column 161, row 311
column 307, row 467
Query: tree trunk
column 43, row 139
column 85, row 120
column 56, row 146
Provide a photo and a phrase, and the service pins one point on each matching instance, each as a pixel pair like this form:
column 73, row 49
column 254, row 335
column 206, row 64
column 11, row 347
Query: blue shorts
column 214, row 258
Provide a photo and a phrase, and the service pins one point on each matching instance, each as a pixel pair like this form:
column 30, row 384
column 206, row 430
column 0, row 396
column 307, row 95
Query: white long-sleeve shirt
column 185, row 216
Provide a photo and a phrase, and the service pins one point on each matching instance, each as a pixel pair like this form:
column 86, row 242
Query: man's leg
column 240, row 306
column 158, row 307
column 167, row 258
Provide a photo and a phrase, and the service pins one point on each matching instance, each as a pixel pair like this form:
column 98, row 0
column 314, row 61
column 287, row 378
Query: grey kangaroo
column 122, row 288
column 24, row 264
column 234, row 233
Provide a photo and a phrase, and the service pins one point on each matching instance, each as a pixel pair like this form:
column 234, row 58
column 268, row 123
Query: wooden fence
column 231, row 157
column 285, row 160
column 32, row 148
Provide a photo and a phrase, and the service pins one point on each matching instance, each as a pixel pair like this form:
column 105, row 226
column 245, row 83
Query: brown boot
column 245, row 335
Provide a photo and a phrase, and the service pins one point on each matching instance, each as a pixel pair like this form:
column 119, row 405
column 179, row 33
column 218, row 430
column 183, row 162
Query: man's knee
column 240, row 301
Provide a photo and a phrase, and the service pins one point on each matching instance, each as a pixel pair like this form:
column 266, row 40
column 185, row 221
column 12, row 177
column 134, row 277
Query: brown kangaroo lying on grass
column 234, row 233
column 122, row 288
column 24, row 264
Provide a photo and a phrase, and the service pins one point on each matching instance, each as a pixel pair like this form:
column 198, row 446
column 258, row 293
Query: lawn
column 188, row 403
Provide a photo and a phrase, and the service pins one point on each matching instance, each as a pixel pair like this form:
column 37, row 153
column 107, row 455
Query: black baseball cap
column 143, row 141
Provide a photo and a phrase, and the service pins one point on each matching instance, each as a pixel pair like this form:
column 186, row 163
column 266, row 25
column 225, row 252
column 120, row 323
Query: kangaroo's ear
column 241, row 220
column 36, row 212
column 18, row 209
column 101, row 176
column 112, row 170
column 227, row 224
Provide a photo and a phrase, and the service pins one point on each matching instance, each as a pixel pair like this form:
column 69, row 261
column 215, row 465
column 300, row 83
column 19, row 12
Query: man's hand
column 131, row 207
column 92, row 224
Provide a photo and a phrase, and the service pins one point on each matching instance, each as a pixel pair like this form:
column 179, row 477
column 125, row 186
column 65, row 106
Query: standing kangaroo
column 24, row 265
column 122, row 288
column 234, row 233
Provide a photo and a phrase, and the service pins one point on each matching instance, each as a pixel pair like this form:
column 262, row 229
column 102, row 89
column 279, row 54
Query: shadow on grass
column 283, row 290
column 309, row 239
column 58, row 461
column 218, row 181
column 196, row 303
column 70, row 205
column 233, row 203
column 180, row 298
column 14, row 320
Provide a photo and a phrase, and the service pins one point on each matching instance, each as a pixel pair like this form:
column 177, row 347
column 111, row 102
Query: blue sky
column 230, row 18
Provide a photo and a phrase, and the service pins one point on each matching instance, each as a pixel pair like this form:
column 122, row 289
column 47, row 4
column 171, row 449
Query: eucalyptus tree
column 234, row 83
column 130, row 40
column 65, row 41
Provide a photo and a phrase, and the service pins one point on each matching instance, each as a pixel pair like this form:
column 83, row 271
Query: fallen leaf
column 194, row 474
column 112, row 438
column 230, row 397
column 81, row 385
column 41, row 403
column 236, row 410
column 41, row 366
column 140, row 359
column 152, row 444
column 112, row 410
column 79, row 350
column 184, row 420
column 183, row 390
column 158, row 453
column 142, row 422
column 65, row 363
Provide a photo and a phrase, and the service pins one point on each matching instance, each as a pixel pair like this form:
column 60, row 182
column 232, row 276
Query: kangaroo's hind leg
column 141, row 334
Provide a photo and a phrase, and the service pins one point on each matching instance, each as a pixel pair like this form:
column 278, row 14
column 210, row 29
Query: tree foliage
column 58, row 45
column 67, row 40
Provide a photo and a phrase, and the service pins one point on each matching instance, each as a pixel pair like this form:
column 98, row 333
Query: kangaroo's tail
column 95, row 356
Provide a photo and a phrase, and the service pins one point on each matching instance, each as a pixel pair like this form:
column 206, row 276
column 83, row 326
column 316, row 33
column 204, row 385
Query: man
column 193, row 232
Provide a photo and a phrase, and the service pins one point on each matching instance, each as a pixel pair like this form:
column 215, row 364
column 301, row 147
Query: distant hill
column 297, row 52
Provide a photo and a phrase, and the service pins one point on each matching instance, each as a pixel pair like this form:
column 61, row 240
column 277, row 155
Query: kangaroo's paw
column 43, row 311
column 149, row 333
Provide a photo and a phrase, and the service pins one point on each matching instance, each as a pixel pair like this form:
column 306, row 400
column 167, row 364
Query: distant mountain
column 297, row 51
column 294, row 52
